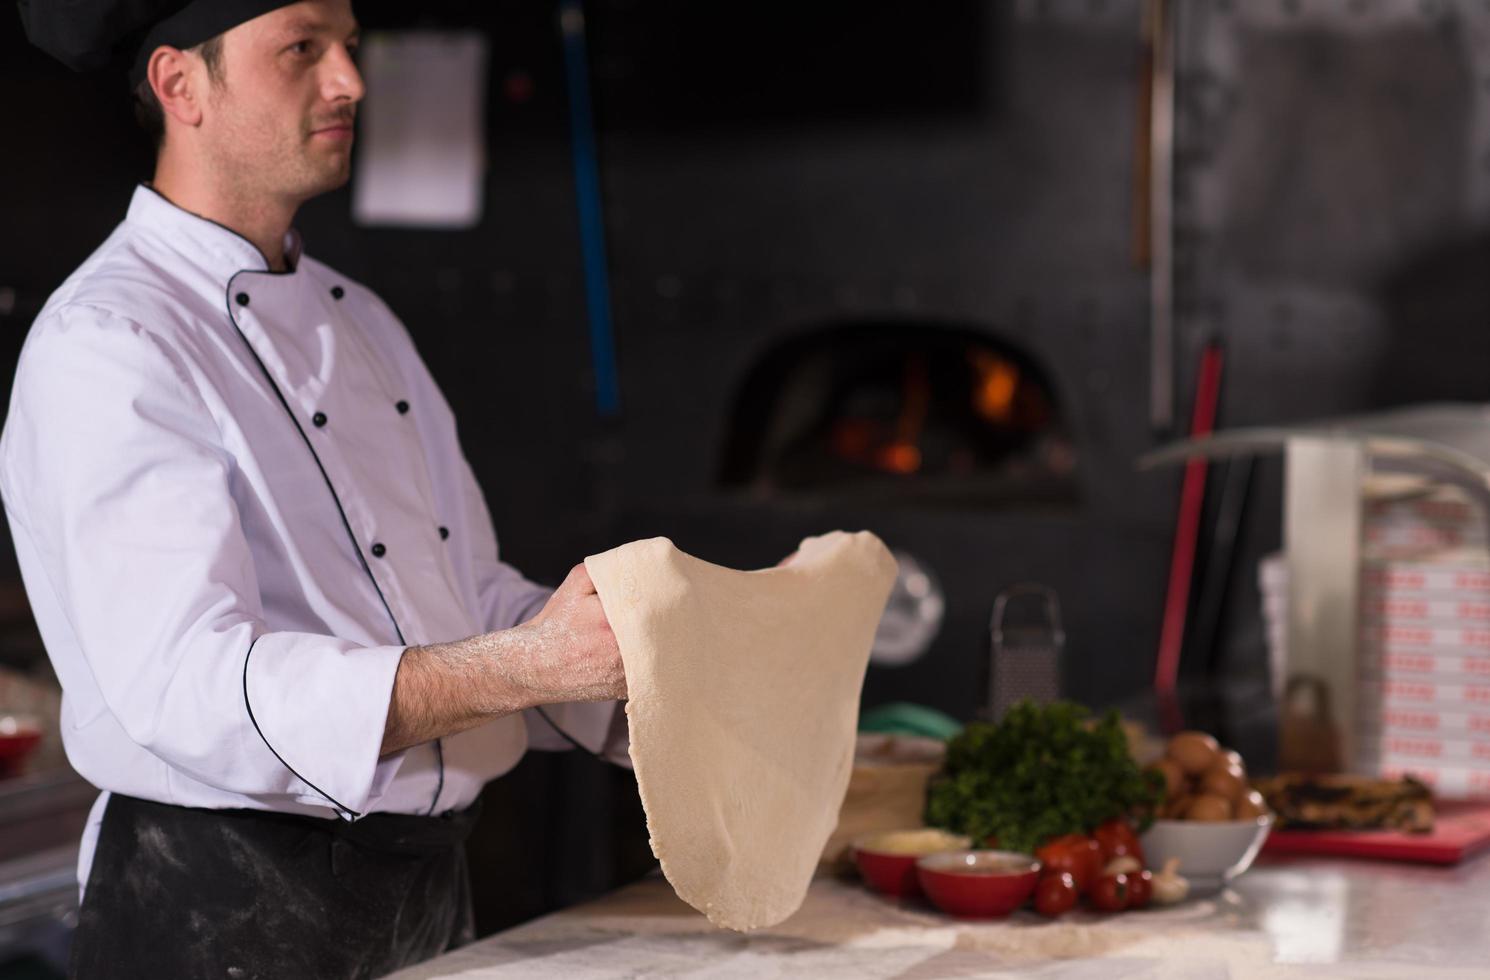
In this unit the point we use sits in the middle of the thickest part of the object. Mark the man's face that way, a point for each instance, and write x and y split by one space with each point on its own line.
278 120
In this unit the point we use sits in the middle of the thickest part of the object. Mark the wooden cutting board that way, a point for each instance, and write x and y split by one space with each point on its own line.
1459 831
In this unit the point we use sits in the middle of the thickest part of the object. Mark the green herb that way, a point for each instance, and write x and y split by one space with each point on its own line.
1043 771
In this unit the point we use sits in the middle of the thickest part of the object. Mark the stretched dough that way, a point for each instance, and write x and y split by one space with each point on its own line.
743 703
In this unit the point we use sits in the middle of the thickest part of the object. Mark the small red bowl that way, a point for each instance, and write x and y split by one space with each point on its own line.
18 737
978 884
888 872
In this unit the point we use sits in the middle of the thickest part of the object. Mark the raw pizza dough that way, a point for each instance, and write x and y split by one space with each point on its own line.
743 704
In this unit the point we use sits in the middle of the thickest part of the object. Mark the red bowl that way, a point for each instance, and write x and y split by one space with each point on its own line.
17 740
887 872
978 884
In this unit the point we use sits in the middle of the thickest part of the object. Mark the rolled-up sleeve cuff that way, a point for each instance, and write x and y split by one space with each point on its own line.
321 706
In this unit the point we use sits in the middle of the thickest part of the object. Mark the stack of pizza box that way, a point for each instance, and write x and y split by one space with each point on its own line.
1423 655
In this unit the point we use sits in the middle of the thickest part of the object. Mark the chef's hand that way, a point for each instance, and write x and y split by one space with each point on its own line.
569 652
565 653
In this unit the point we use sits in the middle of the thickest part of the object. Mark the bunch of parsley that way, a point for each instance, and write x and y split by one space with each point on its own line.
1043 771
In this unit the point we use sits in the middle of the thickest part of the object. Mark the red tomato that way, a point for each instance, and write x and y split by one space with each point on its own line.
1075 854
1110 893
1055 894
1116 838
1140 889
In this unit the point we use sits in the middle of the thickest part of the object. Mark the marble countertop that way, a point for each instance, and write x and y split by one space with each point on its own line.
1293 918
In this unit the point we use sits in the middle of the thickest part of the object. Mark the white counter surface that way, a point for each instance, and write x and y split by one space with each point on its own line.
1297 918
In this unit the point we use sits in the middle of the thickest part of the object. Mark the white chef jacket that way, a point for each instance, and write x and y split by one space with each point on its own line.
236 497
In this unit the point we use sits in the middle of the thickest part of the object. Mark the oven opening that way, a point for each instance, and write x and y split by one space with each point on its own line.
900 411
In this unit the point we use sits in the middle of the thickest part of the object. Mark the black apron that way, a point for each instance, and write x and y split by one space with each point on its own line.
176 892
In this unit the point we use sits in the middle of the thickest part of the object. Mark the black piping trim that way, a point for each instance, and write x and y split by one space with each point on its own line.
290 265
345 811
351 536
440 785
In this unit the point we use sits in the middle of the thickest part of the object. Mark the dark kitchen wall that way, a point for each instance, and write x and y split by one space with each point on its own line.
1004 202
772 167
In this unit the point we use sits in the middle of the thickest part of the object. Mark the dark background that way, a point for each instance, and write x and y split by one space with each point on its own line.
772 169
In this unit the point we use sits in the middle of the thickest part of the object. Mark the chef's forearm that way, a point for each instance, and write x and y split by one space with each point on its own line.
565 653
446 688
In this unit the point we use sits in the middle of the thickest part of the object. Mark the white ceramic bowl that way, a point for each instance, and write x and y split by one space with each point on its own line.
1211 854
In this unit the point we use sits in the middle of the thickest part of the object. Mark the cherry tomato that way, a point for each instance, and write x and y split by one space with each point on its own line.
1140 889
1117 839
1055 894
1110 893
1076 854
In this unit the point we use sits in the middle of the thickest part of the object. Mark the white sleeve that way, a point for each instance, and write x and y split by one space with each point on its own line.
115 466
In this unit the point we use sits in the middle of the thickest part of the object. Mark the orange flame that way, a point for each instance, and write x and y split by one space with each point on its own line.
998 380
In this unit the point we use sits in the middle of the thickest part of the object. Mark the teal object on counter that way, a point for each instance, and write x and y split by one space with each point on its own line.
902 718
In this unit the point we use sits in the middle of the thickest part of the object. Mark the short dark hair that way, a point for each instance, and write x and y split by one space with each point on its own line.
150 115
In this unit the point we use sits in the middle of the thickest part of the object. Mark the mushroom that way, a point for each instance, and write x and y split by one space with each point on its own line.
1169 888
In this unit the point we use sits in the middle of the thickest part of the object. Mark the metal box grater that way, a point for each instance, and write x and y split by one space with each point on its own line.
1026 640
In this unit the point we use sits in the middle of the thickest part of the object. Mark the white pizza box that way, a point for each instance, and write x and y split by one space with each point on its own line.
1394 637
1374 694
1379 609
1431 665
1447 782
1413 719
1449 576
1462 753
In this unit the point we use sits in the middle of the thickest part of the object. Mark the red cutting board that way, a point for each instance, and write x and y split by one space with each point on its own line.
1459 830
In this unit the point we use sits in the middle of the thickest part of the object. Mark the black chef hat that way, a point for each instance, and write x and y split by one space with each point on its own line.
89 34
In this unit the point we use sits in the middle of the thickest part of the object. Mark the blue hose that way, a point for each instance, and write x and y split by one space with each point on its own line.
591 211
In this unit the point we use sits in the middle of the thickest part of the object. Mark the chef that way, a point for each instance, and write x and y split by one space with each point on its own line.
264 572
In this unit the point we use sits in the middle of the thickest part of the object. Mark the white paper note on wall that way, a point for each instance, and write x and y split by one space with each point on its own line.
421 156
